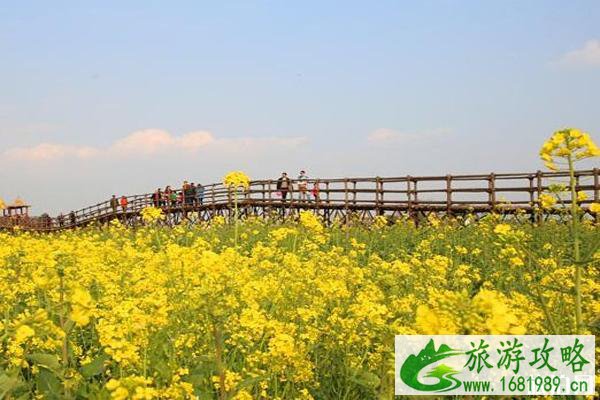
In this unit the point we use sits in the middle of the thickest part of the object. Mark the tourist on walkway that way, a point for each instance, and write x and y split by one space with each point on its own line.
199 193
183 194
302 186
190 195
316 191
157 198
73 218
284 185
114 204
61 220
167 195
124 203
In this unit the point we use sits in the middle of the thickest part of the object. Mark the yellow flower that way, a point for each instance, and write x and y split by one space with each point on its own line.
82 307
278 305
236 179
380 222
152 214
430 323
500 319
243 395
595 208
131 387
310 221
568 143
231 380
502 229
547 200
23 333
516 262
282 345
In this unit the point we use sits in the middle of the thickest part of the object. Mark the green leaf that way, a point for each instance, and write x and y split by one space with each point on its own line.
196 379
48 361
47 383
365 378
96 367
162 369
69 326
8 384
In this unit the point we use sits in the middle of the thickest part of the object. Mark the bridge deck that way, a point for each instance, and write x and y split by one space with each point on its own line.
341 198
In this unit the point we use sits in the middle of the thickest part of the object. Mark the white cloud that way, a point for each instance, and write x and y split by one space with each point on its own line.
587 56
388 136
383 135
151 142
147 142
50 151
195 140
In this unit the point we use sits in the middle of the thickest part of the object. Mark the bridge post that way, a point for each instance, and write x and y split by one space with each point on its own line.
213 201
408 192
229 216
317 198
538 176
596 185
533 206
448 195
266 206
379 196
347 216
409 199
327 209
492 191
415 190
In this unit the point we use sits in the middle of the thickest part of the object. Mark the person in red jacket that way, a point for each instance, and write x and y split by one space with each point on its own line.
315 191
124 203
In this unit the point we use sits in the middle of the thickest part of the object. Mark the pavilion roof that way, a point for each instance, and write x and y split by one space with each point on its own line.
18 203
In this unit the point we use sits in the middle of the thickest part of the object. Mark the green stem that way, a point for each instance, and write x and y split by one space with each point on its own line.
217 336
547 312
63 324
576 244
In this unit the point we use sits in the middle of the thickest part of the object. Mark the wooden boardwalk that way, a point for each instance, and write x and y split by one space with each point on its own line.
347 199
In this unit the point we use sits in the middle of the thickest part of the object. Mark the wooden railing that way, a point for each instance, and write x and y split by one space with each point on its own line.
504 192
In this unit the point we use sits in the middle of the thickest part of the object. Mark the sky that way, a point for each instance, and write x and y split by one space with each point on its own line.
102 98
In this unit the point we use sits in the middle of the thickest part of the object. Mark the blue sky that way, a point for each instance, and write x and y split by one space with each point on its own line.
101 97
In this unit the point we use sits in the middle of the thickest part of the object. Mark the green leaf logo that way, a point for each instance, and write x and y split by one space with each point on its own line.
413 365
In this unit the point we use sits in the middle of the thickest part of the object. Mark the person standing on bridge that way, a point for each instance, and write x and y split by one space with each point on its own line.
157 198
183 195
190 195
124 203
284 185
303 186
316 190
114 204
167 195
199 193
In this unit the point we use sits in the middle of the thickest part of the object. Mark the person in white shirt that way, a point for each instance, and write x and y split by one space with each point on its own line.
302 186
